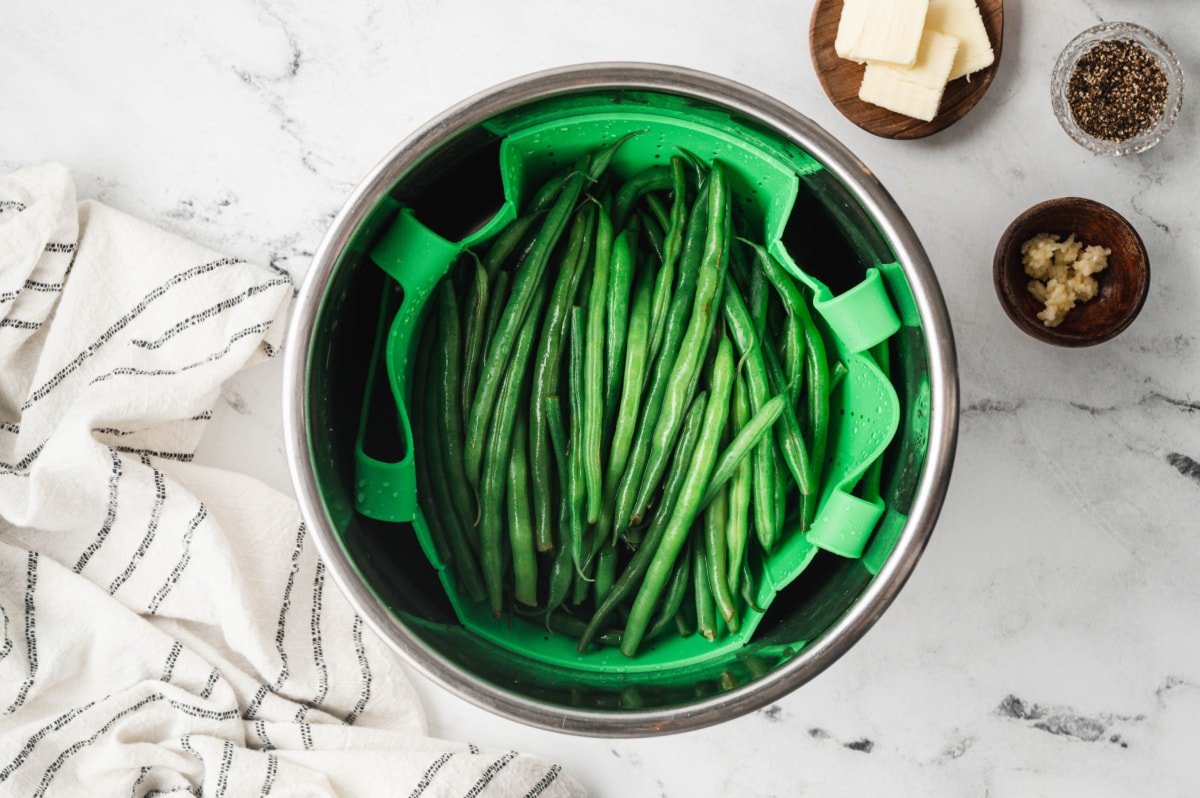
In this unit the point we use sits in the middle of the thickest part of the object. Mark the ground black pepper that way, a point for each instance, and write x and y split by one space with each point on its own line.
1117 91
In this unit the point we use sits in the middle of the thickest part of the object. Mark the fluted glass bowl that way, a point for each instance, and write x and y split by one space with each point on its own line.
1080 46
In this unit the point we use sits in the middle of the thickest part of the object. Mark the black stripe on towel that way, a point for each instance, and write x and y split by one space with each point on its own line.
8 643
226 764
490 774
160 498
272 769
42 391
430 772
281 628
360 651
318 650
131 371
209 313
110 516
56 724
184 560
21 468
31 569
545 782
213 678
75 748
172 658
20 324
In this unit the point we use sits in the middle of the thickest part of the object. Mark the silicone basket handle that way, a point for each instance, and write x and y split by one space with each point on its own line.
416 258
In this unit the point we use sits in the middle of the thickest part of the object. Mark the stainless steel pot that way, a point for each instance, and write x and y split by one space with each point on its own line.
382 572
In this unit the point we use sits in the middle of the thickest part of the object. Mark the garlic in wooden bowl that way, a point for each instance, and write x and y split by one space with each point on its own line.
1091 266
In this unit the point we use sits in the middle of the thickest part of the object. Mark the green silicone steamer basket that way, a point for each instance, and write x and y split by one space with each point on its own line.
450 188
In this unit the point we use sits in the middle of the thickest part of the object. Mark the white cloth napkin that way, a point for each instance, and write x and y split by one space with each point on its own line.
167 627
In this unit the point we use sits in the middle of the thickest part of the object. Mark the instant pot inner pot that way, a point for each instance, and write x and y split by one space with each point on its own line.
455 189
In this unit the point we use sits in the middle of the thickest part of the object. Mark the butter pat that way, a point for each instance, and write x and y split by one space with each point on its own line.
915 90
962 20
881 30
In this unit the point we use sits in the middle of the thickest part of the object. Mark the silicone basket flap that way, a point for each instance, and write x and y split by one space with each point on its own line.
416 258
373 476
861 317
868 414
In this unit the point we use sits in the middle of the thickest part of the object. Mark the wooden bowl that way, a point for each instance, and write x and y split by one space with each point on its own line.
841 78
1122 286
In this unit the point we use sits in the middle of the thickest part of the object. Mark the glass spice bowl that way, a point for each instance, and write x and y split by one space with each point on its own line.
1083 44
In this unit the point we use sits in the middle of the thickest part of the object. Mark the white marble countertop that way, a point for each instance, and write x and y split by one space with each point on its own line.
1046 643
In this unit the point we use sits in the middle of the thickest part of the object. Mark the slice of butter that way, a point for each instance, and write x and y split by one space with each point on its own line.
962 20
881 30
915 90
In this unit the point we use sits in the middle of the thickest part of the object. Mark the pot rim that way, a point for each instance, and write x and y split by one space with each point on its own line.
862 184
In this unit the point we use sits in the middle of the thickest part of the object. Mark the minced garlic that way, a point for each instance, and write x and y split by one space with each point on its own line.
1062 273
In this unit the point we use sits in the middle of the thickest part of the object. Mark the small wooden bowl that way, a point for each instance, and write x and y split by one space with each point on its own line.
1122 286
841 78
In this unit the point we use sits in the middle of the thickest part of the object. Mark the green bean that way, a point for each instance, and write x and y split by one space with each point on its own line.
706 611
686 370
633 383
548 191
496 455
524 285
421 450
671 249
576 487
758 357
816 364
606 571
716 555
765 486
683 514
655 236
506 242
475 325
658 209
466 569
653 178
547 366
674 595
497 297
660 375
562 568
791 349
620 287
740 489
566 624
635 569
593 367
520 517
449 376
746 439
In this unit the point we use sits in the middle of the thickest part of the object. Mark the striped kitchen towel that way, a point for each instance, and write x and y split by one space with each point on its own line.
167 628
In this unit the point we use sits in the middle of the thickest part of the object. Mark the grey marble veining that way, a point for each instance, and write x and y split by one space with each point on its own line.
1045 645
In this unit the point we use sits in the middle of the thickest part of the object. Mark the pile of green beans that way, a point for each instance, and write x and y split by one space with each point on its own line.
618 403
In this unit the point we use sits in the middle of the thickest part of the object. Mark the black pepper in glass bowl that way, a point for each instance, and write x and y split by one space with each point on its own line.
1117 89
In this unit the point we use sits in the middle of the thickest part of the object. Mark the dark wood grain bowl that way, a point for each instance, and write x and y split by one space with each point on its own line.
1123 286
